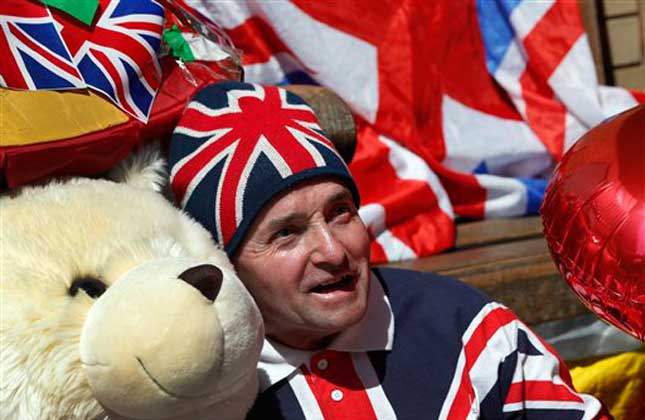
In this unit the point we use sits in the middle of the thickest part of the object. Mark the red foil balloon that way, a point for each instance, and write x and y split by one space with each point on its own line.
594 220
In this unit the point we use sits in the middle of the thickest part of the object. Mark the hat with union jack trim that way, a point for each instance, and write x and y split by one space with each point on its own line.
237 146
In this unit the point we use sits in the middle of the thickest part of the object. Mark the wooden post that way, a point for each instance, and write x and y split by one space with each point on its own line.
334 115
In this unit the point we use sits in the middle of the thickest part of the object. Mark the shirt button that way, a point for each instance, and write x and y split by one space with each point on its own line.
322 364
337 395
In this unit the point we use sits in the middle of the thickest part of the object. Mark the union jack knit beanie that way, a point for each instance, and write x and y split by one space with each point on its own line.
237 146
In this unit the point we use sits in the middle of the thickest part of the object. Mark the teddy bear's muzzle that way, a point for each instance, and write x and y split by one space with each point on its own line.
153 343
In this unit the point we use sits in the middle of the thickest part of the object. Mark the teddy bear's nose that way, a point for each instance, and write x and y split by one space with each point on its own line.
206 278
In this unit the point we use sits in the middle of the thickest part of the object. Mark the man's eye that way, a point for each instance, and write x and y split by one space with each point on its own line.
342 211
284 232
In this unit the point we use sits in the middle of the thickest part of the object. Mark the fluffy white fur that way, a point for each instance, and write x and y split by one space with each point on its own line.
75 357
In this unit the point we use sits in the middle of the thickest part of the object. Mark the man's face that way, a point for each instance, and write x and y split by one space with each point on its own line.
306 262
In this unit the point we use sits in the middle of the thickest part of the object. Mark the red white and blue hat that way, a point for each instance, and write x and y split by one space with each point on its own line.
237 146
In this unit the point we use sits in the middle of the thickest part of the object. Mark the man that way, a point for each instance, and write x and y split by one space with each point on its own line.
344 341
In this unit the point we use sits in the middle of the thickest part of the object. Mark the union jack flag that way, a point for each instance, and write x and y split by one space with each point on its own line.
118 55
33 53
463 107
217 144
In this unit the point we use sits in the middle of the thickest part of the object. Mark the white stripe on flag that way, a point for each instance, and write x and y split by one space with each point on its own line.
615 100
273 71
573 129
334 50
394 248
527 14
304 395
574 82
508 147
505 197
509 72
380 404
227 14
373 215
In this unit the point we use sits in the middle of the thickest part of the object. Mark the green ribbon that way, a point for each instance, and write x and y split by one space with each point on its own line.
178 45
83 10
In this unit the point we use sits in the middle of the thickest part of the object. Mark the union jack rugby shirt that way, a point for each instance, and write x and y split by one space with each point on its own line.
429 347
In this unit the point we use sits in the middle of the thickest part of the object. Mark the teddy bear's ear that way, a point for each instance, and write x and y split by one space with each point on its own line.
144 168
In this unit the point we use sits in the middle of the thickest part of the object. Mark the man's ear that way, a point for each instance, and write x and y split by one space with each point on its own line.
144 168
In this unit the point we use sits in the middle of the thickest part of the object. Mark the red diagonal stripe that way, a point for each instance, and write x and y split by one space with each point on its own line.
22 8
141 26
238 161
18 33
546 46
120 42
374 22
127 45
115 76
544 113
552 37
189 170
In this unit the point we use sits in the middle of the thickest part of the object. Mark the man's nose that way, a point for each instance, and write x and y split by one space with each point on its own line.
327 249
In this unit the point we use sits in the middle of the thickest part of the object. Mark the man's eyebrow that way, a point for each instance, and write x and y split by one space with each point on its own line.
340 196
280 222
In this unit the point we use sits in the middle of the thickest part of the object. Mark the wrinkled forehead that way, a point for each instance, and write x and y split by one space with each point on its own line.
303 199
307 195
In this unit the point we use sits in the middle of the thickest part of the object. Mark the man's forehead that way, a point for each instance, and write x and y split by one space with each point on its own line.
305 197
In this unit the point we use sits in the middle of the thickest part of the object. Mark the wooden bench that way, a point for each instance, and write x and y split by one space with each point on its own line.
507 259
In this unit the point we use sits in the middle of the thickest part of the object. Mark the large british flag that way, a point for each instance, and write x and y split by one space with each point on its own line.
220 159
463 107
33 53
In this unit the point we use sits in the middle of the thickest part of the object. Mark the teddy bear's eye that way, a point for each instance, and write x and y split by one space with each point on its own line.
91 285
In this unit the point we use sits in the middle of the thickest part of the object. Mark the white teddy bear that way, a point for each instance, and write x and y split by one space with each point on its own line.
116 305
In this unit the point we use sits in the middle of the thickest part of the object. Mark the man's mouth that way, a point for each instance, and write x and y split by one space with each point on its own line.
344 283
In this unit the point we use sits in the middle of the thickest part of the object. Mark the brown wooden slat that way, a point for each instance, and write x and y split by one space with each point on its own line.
496 253
497 230
519 274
